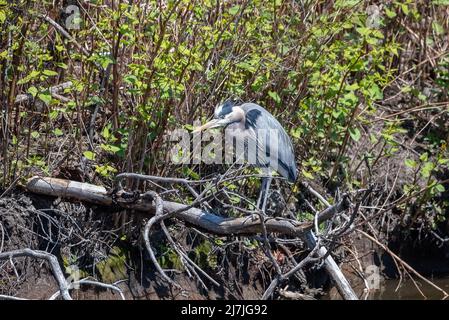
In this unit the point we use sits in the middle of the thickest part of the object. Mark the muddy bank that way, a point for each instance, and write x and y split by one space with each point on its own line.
95 240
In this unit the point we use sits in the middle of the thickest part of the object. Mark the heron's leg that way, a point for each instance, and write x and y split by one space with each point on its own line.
261 193
267 189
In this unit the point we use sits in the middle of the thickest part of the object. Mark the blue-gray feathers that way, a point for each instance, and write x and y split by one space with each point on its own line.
261 124
259 118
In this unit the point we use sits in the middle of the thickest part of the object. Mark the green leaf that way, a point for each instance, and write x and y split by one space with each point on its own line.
355 134
234 10
296 132
424 156
105 133
62 65
54 114
407 188
364 31
246 66
58 132
406 89
410 163
438 28
49 73
130 78
422 96
33 91
45 97
352 87
346 3
405 8
33 75
190 173
427 169
89 155
105 61
307 174
390 14
274 96
105 170
2 16
375 92
110 148
35 134
440 188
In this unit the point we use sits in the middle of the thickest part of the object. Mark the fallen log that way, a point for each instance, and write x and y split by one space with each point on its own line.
197 217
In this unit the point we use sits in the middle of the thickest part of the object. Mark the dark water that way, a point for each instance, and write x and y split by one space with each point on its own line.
389 290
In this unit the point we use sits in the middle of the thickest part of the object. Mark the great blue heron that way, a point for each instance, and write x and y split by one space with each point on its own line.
266 144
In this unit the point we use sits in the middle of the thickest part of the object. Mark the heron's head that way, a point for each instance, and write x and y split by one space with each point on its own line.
224 115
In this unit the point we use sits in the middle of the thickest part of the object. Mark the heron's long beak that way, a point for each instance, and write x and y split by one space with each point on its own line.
214 123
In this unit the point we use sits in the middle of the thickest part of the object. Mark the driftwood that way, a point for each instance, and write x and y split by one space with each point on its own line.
342 284
199 218
330 265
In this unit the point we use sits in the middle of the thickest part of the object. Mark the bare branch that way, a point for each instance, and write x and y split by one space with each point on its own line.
53 91
92 283
159 216
50 258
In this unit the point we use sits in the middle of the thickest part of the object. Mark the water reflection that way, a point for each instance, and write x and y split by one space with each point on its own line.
407 290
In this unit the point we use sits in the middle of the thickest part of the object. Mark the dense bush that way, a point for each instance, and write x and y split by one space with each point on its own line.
361 87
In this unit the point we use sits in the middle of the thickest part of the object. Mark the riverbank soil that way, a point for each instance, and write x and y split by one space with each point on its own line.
87 235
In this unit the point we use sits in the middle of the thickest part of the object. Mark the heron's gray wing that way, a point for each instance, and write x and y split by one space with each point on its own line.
274 146
255 148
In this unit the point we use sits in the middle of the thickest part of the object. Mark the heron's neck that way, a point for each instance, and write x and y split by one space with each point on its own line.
239 117
237 125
